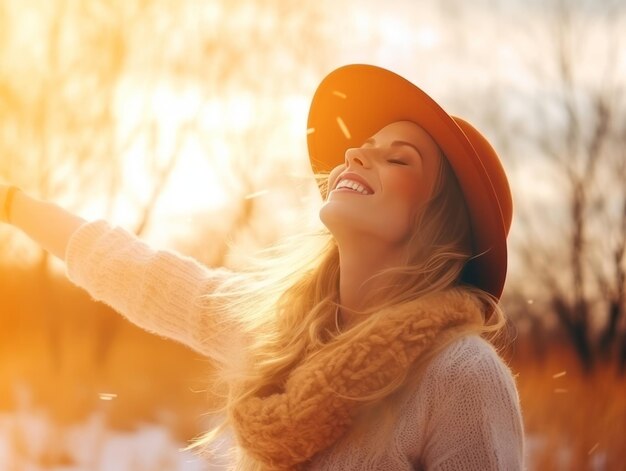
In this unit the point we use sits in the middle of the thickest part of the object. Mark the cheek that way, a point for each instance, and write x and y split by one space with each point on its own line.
408 192
334 173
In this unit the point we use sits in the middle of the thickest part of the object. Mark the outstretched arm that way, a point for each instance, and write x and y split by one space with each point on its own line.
161 291
47 224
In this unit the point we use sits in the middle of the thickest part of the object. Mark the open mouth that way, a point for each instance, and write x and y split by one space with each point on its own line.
348 184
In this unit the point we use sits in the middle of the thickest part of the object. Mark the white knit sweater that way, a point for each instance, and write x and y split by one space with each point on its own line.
464 415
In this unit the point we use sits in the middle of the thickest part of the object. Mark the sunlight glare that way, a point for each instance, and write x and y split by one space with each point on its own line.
238 115
428 37
234 113
296 106
395 31
196 181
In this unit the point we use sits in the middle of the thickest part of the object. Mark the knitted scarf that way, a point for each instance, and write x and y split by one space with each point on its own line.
320 397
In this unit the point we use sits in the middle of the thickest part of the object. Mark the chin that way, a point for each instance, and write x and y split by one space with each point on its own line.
344 223
337 218
328 215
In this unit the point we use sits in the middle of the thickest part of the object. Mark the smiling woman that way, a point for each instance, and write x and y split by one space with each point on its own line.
398 168
368 352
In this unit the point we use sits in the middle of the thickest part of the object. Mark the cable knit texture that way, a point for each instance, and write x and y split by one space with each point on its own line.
158 290
317 405
463 415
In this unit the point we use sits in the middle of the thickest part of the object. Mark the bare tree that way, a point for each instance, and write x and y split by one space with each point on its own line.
578 127
59 120
60 104
265 51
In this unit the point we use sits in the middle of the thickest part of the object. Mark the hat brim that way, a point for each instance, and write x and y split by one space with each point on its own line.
353 102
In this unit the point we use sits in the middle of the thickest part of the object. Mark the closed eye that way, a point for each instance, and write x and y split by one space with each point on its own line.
397 162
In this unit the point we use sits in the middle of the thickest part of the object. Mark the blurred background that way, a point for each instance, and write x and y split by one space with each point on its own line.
185 122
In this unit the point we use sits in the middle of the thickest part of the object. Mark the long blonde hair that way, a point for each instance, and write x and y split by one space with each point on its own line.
287 302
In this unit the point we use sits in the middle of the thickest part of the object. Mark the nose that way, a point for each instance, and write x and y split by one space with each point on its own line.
355 156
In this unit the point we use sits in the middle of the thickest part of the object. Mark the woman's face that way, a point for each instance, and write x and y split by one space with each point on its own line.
382 184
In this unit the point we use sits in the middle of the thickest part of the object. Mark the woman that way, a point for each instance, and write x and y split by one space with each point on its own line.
367 353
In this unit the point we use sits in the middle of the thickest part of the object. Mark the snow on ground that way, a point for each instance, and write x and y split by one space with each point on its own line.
29 441
536 445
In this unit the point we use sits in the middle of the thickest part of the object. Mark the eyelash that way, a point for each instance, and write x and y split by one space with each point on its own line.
395 161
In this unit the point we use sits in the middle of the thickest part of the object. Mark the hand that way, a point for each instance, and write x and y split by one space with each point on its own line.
45 223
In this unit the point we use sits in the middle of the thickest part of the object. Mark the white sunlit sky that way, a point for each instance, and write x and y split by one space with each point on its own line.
454 58
461 55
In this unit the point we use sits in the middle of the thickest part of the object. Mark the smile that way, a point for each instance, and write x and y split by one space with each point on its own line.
352 185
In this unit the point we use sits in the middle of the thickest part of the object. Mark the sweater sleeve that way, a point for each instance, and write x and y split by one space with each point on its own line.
475 421
160 291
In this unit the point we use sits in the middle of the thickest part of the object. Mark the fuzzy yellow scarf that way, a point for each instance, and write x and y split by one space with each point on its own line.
320 397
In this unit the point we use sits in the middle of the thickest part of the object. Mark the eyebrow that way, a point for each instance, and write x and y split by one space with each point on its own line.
397 143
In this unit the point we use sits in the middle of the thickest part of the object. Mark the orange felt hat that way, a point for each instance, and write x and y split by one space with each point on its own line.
354 102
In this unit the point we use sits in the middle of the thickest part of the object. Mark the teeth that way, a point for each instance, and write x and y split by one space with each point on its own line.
351 184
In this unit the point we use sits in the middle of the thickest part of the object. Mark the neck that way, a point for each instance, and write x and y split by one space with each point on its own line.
357 266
